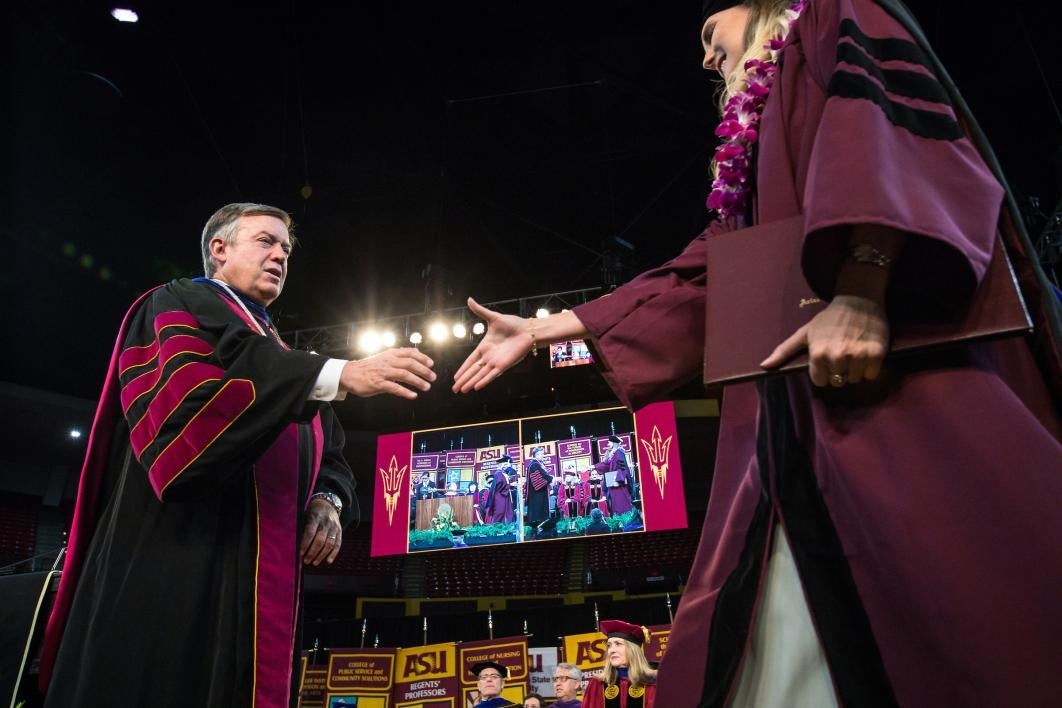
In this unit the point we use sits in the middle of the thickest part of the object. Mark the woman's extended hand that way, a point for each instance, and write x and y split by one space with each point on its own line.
506 342
846 342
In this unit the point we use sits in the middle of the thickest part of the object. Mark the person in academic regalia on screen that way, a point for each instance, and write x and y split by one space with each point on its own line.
619 490
536 487
567 492
596 498
499 507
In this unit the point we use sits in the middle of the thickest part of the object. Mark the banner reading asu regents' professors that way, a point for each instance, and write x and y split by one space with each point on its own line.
425 677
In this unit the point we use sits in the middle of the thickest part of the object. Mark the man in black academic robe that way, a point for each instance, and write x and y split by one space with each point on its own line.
214 473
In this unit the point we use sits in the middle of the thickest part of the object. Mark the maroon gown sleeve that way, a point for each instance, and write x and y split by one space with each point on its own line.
649 332
891 149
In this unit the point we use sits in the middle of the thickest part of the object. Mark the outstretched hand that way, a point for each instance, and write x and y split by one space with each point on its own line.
846 342
398 372
506 342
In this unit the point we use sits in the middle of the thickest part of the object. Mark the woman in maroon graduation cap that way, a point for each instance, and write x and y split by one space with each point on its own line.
879 531
627 680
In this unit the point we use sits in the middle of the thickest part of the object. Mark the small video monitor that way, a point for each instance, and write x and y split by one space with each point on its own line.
570 353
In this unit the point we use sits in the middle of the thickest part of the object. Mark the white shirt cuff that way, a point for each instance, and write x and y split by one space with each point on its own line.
327 386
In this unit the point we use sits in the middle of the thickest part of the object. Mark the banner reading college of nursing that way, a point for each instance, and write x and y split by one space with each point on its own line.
425 677
510 652
360 677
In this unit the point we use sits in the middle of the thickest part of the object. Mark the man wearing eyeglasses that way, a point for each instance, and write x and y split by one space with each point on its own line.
490 680
566 681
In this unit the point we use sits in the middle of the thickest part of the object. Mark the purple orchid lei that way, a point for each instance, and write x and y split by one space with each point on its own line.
739 128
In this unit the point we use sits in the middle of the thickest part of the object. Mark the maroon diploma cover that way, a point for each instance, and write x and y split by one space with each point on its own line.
757 297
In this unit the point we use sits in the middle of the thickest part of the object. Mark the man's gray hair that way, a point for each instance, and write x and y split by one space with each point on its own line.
225 222
572 670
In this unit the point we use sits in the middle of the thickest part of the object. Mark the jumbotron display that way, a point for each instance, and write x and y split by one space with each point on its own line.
528 479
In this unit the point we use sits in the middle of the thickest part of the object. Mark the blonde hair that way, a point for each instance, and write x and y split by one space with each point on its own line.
767 19
638 670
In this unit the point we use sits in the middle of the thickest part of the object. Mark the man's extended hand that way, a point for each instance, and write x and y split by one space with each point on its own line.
398 372
323 536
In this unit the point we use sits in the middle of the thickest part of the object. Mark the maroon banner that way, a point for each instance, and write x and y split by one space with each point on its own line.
656 646
510 652
314 686
426 463
579 447
625 440
659 468
390 498
358 672
460 458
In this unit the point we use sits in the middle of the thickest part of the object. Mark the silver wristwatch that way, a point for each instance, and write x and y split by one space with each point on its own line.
331 498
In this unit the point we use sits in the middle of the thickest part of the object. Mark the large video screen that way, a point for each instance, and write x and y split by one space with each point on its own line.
539 478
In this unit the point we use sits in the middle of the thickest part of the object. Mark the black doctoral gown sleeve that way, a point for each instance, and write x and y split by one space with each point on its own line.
204 394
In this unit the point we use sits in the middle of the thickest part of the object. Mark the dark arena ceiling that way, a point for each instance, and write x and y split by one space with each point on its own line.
428 151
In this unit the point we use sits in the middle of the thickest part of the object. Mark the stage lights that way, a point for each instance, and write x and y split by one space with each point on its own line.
369 341
375 337
438 331
541 313
124 15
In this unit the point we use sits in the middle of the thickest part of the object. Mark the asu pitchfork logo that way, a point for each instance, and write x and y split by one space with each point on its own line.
658 451
392 484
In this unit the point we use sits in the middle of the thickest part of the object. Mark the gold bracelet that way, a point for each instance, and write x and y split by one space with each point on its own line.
531 331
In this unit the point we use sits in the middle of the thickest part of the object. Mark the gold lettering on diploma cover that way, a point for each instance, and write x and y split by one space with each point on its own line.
392 483
805 301
658 451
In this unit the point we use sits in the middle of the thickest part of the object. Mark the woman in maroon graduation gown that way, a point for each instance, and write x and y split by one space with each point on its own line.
897 520
627 680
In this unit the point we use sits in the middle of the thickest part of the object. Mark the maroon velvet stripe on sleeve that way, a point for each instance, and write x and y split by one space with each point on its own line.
138 356
169 398
174 346
212 420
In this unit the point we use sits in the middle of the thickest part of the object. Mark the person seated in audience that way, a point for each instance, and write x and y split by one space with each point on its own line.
533 700
597 523
490 682
567 678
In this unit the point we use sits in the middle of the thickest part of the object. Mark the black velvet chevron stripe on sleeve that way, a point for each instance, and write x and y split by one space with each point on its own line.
882 86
